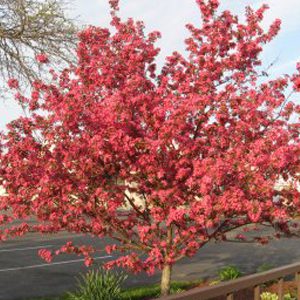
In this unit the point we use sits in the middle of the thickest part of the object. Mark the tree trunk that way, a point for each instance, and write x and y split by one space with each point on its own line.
166 280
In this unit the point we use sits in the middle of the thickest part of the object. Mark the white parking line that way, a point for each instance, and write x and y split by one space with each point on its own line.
26 248
52 264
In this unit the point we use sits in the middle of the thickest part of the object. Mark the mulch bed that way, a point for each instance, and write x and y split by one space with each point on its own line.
288 287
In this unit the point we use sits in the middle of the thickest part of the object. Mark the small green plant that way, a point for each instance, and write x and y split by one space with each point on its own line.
99 285
229 273
272 296
288 296
214 282
264 267
268 296
153 290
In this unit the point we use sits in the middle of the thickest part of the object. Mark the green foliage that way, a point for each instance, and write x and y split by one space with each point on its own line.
214 282
140 293
229 273
273 296
264 267
288 296
99 285
153 291
268 296
64 297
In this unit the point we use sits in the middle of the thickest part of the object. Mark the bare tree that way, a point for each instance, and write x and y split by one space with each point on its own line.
29 28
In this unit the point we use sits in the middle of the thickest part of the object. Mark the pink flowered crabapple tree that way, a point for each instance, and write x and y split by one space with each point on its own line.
162 162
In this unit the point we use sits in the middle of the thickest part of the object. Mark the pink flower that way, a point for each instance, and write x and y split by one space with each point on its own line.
297 83
114 4
240 237
42 58
110 248
13 83
88 261
46 255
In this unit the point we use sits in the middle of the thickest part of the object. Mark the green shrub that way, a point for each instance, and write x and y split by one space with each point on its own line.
229 273
268 296
272 296
264 267
153 290
99 285
288 296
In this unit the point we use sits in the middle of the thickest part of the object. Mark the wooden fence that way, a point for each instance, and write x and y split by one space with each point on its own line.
229 288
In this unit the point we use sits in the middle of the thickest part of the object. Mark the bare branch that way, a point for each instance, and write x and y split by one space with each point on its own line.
31 27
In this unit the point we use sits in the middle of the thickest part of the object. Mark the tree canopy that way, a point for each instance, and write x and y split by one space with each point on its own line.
162 162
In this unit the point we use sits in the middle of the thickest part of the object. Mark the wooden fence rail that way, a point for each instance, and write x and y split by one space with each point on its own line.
254 281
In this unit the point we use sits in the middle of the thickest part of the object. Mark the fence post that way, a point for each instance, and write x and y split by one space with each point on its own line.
257 292
298 284
229 296
280 289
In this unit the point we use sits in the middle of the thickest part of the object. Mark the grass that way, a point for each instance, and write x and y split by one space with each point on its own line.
142 292
50 298
152 291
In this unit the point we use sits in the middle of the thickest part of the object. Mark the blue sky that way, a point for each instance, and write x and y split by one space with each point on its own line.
170 16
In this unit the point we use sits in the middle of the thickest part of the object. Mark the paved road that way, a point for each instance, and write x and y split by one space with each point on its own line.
23 274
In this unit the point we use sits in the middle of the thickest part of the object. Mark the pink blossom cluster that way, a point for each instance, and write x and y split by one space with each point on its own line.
42 58
160 161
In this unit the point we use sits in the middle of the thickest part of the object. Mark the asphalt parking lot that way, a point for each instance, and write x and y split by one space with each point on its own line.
23 274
